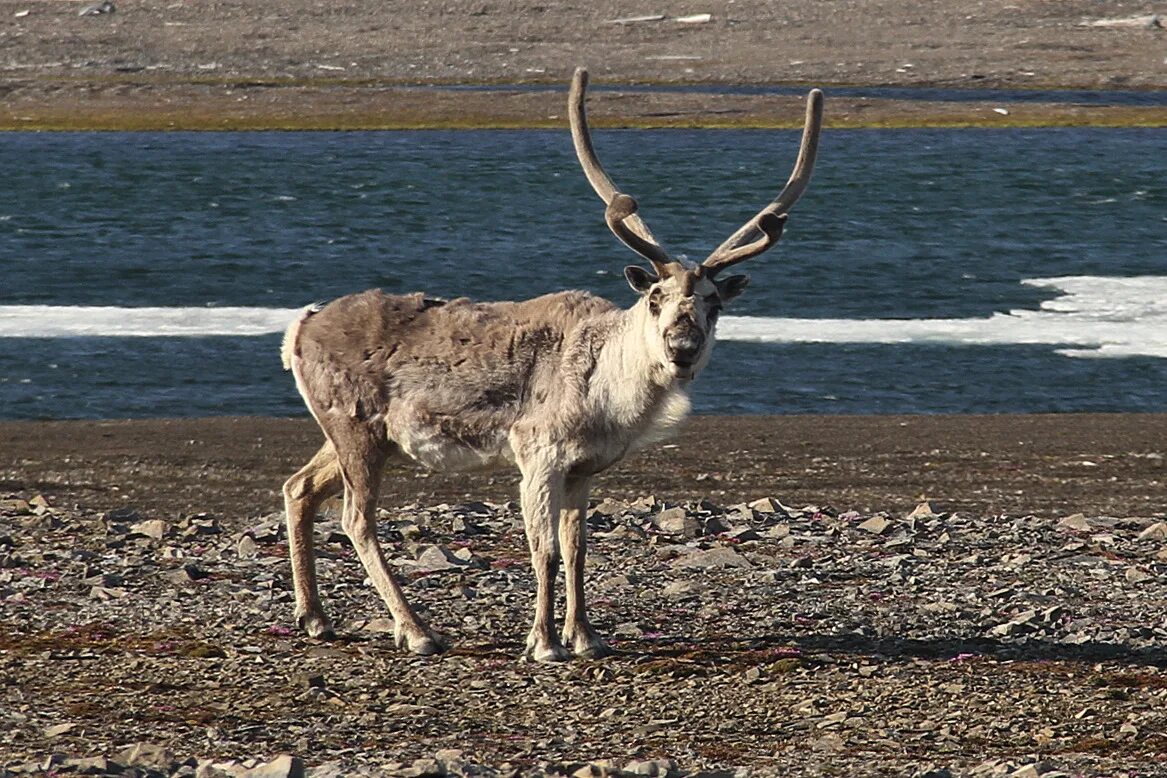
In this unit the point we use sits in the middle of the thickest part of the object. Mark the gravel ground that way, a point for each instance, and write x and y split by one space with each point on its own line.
760 631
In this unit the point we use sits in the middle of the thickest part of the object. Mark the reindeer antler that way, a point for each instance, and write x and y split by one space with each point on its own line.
743 244
620 213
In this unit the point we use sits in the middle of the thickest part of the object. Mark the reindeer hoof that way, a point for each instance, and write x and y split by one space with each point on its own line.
546 651
551 654
316 625
419 640
597 650
585 643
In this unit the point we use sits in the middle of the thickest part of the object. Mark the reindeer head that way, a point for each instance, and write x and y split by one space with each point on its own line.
680 302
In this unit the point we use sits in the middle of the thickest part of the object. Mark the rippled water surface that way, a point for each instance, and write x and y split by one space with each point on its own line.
925 270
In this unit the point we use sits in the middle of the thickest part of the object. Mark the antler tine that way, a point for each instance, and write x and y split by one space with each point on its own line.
621 211
771 219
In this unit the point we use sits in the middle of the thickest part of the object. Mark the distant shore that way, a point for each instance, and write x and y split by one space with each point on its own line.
233 467
297 65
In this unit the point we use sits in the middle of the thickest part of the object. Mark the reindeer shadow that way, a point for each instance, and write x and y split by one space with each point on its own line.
775 647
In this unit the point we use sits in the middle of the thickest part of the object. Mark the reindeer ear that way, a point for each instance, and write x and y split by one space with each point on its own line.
639 279
731 286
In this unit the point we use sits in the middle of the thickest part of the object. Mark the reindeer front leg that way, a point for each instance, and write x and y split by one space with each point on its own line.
541 497
578 633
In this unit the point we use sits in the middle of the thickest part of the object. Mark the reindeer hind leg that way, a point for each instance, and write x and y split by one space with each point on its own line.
303 494
361 455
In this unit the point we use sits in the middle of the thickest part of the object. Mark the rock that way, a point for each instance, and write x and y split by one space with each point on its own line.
932 771
187 574
767 505
637 19
148 755
16 507
98 9
664 768
1020 624
59 729
154 529
876 525
829 743
676 521
246 548
681 589
311 680
435 558
283 766
610 507
721 557
378 625
1053 614
921 511
1075 523
424 768
1136 575
1157 531
95 765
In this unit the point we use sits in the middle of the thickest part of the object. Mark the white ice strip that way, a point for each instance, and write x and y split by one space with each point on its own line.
49 321
1090 338
1094 317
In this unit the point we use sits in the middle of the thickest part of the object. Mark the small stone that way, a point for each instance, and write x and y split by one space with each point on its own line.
664 768
676 521
1137 576
424 768
610 507
311 680
1053 614
187 574
148 755
436 558
721 557
378 625
283 766
931 771
1157 531
246 548
680 589
829 743
94 765
59 729
154 529
766 505
921 511
876 525
1034 770
1075 523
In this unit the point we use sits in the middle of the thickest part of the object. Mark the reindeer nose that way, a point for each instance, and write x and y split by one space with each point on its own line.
683 344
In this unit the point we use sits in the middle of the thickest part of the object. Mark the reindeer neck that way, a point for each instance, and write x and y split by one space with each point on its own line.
631 387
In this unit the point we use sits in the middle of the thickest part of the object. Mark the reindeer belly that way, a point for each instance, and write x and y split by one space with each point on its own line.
449 442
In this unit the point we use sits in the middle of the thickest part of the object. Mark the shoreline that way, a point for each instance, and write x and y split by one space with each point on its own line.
233 467
251 105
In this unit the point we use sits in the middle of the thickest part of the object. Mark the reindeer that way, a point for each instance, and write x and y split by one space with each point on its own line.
562 386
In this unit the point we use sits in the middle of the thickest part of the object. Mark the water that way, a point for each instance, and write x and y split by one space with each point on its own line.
931 271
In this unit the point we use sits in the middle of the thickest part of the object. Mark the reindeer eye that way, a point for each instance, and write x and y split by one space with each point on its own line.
654 302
